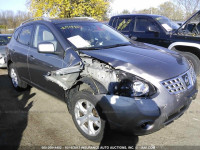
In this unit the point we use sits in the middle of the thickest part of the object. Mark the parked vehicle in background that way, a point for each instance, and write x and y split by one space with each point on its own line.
179 22
160 30
106 80
4 39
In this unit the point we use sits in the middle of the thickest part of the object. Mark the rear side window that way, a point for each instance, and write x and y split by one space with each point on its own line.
124 24
25 35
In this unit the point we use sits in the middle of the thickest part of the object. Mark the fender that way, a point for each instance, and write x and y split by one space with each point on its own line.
184 44
97 87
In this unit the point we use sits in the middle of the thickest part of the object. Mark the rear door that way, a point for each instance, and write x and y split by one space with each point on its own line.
42 64
20 51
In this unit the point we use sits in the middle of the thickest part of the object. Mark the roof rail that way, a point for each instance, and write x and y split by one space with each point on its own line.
89 18
36 18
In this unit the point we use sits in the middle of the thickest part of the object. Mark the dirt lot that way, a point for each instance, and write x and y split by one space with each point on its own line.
36 120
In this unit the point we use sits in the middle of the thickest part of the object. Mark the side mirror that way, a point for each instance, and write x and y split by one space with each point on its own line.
46 47
152 29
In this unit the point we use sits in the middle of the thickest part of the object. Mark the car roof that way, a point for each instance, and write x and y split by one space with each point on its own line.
58 21
133 15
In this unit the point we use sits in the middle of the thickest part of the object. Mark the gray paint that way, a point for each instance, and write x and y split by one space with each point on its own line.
148 63
152 63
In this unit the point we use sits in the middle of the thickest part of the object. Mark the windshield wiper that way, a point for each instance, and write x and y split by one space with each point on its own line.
89 48
103 47
117 45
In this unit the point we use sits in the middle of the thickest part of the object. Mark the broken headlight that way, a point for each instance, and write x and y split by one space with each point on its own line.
133 86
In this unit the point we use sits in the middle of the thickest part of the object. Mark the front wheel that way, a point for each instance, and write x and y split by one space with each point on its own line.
194 60
87 116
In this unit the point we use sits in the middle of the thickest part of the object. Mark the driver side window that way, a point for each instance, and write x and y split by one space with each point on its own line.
43 34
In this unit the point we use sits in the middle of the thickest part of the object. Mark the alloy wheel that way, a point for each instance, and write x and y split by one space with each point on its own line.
13 76
87 117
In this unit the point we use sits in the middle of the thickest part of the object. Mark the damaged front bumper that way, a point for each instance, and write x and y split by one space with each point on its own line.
144 116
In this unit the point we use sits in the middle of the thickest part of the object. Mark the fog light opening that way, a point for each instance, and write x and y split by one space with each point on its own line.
147 126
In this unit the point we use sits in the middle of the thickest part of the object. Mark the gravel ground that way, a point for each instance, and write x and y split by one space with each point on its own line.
35 120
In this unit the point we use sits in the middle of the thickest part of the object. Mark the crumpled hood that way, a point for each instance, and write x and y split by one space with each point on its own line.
147 61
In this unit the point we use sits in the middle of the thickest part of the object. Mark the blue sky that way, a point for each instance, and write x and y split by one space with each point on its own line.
13 5
117 5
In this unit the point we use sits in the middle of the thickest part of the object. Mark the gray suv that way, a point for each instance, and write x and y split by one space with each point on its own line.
106 79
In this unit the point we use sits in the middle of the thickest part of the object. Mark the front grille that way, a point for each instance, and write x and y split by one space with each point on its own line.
181 83
174 86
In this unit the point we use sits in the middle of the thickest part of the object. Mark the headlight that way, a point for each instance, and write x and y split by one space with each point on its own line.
133 86
140 88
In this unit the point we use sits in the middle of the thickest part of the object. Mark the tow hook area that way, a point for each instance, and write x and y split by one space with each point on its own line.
193 95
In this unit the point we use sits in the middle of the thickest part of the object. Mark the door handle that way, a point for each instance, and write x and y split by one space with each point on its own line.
133 38
31 56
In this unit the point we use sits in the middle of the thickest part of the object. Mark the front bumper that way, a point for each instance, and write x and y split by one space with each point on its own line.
144 116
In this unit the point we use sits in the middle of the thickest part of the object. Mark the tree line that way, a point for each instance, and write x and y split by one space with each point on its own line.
177 10
10 20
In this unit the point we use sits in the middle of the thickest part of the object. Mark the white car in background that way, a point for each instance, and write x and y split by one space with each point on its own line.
4 40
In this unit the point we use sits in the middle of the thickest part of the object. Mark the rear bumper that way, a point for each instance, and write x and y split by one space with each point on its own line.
145 116
3 61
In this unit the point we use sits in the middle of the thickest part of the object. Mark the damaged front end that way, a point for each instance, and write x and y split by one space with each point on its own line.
129 102
99 76
65 77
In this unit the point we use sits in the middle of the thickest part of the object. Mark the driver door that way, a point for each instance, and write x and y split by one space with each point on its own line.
42 64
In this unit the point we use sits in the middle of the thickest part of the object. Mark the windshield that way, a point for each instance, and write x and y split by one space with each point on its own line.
167 24
4 40
91 35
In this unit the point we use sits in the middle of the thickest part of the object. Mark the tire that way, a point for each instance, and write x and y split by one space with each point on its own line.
85 109
194 61
17 83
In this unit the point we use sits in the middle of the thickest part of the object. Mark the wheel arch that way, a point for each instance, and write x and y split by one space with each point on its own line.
193 48
94 85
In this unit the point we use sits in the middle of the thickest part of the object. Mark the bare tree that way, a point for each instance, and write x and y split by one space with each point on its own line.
167 9
171 11
189 6
151 10
125 11
11 20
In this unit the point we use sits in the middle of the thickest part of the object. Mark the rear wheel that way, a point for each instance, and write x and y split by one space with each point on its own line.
194 60
87 116
17 83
